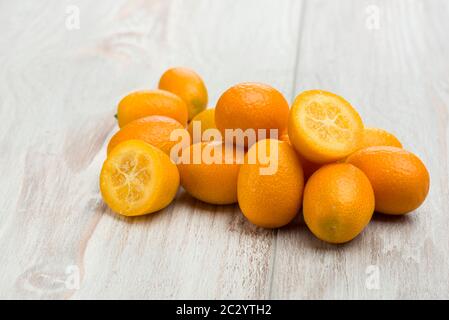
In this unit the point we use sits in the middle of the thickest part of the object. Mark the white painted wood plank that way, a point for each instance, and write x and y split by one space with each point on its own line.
59 100
57 117
192 250
396 77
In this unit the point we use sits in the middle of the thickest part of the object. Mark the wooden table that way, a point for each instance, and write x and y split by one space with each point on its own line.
59 88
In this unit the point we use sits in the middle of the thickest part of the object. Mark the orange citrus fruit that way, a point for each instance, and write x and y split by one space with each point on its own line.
252 106
188 85
141 104
324 127
212 176
308 167
154 130
399 178
138 178
379 137
270 184
206 119
338 202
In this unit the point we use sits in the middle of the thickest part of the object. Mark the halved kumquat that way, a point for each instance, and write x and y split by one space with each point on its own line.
324 127
138 178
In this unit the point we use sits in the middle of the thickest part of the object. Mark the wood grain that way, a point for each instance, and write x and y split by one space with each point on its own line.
58 96
387 74
189 249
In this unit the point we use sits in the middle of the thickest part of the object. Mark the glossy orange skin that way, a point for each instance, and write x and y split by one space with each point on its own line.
154 130
399 178
252 106
188 85
338 202
214 183
272 200
379 137
207 120
145 103
308 166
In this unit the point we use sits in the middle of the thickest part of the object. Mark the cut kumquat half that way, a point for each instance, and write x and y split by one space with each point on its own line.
324 127
138 178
